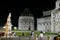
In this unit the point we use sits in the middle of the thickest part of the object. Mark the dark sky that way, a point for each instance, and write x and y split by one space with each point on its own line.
16 7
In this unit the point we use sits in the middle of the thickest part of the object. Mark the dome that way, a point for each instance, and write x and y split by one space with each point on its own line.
26 12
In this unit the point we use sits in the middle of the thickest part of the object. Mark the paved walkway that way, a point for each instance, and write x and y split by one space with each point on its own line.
25 38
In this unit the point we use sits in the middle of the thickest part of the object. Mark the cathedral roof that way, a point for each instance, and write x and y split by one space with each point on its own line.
26 12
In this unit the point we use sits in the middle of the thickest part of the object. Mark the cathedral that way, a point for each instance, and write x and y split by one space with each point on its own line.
26 21
53 21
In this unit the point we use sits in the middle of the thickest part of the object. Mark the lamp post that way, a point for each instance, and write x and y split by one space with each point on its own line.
15 28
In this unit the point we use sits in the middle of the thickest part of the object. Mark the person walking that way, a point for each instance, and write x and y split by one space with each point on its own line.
32 34
41 35
36 37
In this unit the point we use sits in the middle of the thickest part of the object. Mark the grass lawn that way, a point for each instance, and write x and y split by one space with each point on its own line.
27 33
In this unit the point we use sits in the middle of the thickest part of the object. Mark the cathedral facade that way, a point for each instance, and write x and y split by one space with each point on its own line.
54 20
44 24
26 21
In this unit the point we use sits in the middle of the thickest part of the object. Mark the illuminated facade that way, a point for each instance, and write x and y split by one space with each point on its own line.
53 22
44 24
26 21
55 18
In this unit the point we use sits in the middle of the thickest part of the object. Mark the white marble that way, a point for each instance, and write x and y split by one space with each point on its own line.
24 22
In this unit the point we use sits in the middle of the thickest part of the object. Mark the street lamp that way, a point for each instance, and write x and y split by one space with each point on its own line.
15 28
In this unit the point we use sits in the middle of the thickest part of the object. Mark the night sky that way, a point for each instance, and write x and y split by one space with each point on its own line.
16 7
